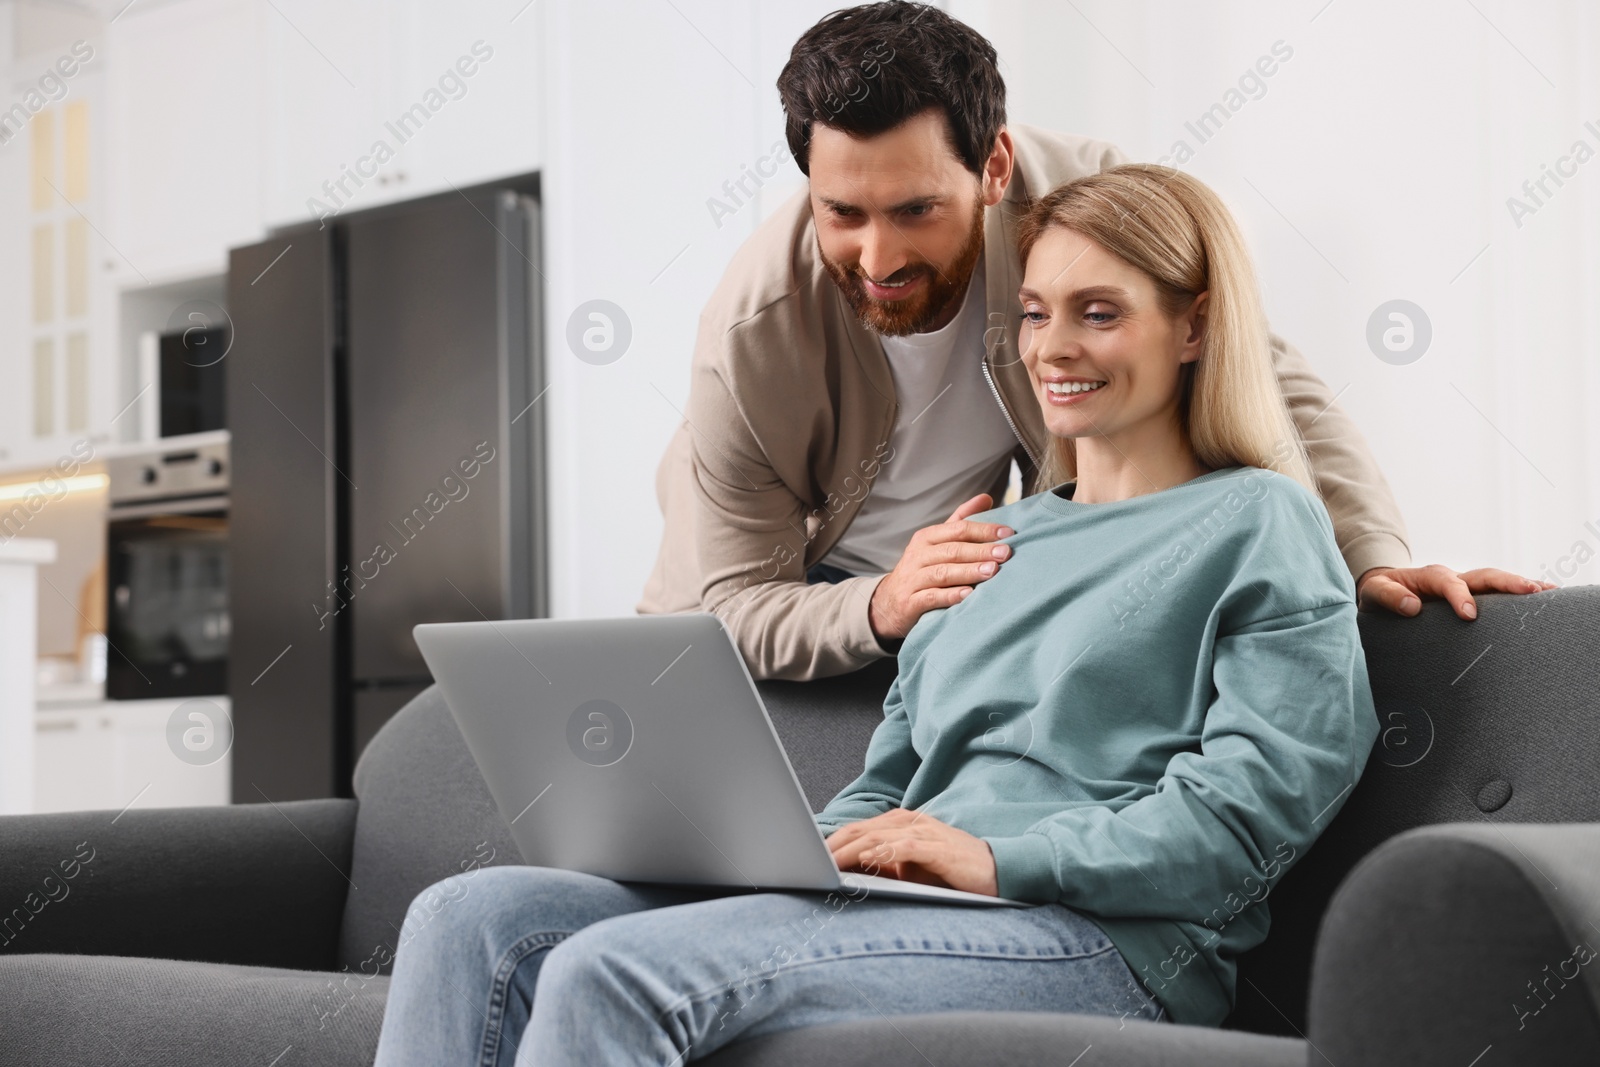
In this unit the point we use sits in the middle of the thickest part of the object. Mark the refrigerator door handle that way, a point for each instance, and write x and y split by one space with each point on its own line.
522 434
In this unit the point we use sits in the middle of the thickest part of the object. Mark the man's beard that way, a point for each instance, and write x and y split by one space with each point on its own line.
916 314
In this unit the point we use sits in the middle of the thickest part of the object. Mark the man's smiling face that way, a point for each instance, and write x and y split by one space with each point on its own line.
899 221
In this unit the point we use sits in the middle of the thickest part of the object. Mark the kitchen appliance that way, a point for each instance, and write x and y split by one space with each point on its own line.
382 392
192 393
167 573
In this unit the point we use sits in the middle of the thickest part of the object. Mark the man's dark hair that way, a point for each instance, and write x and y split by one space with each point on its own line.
865 70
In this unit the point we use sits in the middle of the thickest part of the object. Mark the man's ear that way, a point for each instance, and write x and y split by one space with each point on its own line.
997 170
1192 325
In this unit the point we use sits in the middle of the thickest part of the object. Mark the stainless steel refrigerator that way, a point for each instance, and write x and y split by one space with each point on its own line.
385 405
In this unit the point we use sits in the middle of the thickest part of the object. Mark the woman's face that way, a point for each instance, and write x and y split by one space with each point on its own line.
1103 356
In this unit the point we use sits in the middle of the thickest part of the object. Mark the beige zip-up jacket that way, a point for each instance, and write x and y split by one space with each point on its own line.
790 409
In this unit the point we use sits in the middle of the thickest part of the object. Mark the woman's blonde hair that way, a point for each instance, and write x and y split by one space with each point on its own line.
1174 229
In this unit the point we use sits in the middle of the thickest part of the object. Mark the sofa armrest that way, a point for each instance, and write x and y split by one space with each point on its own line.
1449 940
257 884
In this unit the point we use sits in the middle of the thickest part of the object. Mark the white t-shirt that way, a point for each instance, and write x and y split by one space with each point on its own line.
950 439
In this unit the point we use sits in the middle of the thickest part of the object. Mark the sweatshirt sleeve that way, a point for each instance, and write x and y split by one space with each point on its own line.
1286 735
890 763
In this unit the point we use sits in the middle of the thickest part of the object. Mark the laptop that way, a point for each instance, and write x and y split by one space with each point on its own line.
638 749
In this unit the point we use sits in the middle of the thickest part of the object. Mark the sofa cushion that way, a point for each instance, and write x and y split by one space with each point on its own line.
117 1010
114 1010
979 1039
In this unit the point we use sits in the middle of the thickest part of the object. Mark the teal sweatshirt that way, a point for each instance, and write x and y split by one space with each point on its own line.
1149 714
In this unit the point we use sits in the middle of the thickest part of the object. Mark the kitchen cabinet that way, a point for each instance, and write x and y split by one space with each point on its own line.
73 755
228 117
367 103
14 296
184 84
484 64
324 83
56 299
92 754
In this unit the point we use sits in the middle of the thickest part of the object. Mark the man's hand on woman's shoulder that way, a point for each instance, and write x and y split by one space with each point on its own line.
1400 589
942 564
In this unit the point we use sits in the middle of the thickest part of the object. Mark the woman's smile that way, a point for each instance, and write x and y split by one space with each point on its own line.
1065 393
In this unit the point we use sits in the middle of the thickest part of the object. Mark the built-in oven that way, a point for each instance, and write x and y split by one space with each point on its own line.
167 573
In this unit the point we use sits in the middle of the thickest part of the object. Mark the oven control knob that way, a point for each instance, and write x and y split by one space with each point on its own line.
147 475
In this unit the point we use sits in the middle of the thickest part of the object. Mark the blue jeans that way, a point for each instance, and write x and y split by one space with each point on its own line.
540 966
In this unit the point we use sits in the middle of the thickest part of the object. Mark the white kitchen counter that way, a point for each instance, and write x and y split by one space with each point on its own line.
74 694
20 558
30 550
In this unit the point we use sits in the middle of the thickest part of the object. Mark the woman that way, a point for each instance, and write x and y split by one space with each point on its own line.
1137 725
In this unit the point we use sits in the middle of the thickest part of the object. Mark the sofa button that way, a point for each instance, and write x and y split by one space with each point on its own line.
1493 796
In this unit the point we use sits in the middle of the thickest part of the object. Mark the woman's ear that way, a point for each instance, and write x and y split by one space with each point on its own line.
1192 327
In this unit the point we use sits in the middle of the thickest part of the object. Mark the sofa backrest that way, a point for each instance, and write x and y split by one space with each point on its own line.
1496 720
424 814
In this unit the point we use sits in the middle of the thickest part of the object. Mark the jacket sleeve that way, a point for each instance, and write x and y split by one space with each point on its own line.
1366 520
750 536
1286 735
890 763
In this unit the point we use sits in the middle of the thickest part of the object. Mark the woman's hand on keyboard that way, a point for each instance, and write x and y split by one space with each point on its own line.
915 847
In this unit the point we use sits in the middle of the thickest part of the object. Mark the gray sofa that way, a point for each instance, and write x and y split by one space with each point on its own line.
1448 915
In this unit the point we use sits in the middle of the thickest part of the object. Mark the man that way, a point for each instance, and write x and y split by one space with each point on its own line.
856 378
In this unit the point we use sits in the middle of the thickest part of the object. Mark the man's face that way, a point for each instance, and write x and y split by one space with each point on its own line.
899 221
